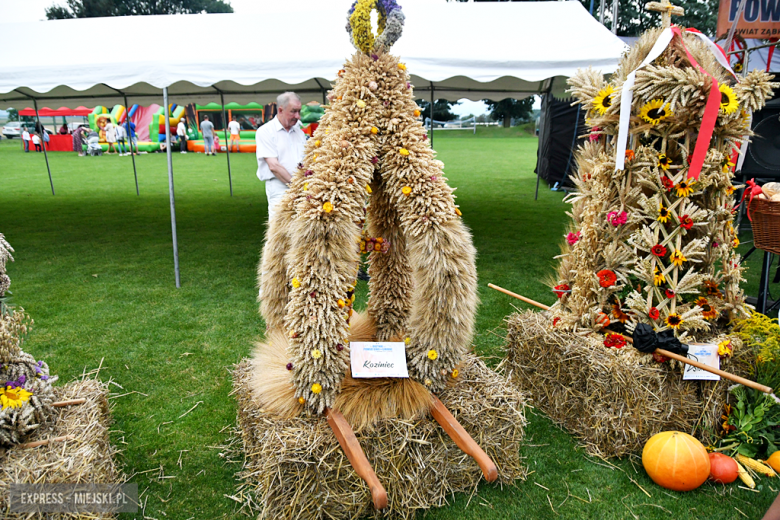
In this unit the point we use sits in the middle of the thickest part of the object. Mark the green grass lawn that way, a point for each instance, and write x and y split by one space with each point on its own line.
94 268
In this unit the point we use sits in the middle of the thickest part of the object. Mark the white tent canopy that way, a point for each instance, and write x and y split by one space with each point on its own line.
459 48
453 50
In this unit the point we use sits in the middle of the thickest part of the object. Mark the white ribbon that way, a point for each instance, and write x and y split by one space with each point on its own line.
743 148
627 97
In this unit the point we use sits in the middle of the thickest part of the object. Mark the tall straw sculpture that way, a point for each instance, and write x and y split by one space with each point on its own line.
370 183
651 240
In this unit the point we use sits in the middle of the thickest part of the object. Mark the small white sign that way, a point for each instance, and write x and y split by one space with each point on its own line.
378 359
706 354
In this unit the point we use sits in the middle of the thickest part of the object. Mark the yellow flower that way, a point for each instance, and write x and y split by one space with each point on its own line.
317 143
663 214
407 340
658 277
455 373
724 348
316 388
728 100
603 100
315 157
305 186
402 66
432 355
327 207
360 103
655 111
664 161
729 190
678 258
684 188
674 320
296 283
316 353
403 151
735 243
417 113
11 397
341 303
301 400
374 130
406 190
368 189
458 212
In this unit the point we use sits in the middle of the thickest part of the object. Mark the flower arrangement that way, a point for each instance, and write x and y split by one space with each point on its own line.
672 250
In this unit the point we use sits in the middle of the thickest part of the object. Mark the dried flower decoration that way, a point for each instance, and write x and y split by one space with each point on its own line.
674 320
607 278
655 111
432 355
406 190
603 100
728 100
327 207
404 152
316 388
614 341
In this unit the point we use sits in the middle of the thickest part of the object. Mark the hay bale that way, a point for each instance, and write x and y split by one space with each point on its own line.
613 400
294 468
87 459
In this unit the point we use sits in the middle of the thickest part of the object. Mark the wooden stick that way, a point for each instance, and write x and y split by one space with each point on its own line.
681 359
69 402
523 298
45 442
356 457
463 440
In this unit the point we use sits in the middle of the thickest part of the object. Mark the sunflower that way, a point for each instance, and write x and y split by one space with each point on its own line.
728 100
655 111
11 397
684 188
664 162
711 288
678 258
663 214
618 314
727 165
603 101
658 277
674 320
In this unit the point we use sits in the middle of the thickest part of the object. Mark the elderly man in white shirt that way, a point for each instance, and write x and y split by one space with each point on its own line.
280 144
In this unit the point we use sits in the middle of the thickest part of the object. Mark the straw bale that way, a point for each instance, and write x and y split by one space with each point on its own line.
612 400
87 459
294 468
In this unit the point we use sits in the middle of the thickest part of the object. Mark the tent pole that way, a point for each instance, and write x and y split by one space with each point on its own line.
225 122
432 102
43 144
130 142
170 187
614 16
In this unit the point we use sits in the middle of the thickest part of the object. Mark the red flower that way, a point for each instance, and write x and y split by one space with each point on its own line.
615 341
669 293
629 155
686 222
556 320
653 313
660 358
658 250
560 290
607 278
667 182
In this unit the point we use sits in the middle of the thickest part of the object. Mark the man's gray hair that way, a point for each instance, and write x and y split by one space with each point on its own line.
284 99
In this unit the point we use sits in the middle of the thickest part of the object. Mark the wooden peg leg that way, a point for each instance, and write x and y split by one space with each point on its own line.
463 439
356 457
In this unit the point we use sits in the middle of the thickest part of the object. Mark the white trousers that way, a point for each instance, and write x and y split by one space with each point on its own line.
274 189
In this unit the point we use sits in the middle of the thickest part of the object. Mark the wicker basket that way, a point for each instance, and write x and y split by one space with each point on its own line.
766 224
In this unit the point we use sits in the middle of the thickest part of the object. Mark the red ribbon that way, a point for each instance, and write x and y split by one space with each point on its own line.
754 190
771 53
710 116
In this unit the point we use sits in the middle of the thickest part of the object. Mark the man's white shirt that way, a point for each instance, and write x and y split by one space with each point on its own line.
234 127
274 141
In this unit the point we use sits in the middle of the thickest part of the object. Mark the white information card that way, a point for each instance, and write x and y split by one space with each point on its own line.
378 359
706 354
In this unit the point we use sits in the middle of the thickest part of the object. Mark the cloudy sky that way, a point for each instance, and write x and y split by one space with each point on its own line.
34 10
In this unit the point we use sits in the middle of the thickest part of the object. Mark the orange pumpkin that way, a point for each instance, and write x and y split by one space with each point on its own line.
723 469
676 461
774 461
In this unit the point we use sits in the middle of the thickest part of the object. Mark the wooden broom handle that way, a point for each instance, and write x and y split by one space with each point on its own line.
69 402
463 440
672 355
356 457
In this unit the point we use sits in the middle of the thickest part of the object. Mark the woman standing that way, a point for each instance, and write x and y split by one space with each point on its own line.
78 141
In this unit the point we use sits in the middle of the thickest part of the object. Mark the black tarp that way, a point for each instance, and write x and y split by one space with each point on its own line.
560 125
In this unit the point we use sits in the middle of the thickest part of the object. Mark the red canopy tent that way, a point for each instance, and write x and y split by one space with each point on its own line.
53 112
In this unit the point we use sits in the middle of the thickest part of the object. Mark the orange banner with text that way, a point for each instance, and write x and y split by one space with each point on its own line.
759 19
